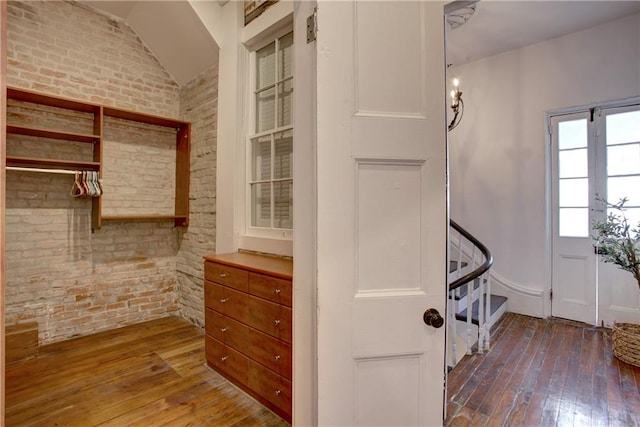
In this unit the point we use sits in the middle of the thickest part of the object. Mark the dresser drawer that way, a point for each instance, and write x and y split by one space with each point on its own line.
270 386
271 318
213 295
271 352
227 330
226 275
226 301
227 360
271 288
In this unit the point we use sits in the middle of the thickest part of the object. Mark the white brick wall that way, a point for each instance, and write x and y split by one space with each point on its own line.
199 100
72 281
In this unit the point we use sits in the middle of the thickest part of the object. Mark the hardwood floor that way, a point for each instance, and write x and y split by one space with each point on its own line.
151 374
544 373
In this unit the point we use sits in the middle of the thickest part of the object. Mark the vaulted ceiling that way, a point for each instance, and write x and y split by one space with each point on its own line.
179 33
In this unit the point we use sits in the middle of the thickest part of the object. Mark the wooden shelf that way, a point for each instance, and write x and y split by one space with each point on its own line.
51 163
182 163
143 118
179 220
50 100
52 134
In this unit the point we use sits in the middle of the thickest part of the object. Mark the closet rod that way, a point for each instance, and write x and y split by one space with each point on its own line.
62 171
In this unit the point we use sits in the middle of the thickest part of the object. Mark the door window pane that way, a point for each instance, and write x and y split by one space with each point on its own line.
572 134
574 222
624 186
574 192
573 163
623 128
623 159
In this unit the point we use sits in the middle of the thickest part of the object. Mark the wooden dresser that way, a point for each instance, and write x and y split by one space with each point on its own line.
248 302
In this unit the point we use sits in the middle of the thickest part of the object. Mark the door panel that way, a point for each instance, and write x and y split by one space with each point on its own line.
381 218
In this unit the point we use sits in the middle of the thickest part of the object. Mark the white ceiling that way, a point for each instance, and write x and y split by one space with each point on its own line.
171 30
502 25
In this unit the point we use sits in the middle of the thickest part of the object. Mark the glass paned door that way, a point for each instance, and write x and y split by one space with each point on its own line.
618 142
595 157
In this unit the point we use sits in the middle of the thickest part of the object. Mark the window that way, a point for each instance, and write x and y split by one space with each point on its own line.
270 146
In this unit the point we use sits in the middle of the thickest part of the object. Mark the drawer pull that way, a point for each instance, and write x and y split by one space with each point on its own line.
276 291
276 357
276 322
223 329
223 300
223 358
278 392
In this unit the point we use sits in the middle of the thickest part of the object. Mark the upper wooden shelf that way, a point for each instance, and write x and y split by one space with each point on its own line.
53 134
51 101
143 118
51 163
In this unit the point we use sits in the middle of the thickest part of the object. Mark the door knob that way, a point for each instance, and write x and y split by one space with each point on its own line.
432 318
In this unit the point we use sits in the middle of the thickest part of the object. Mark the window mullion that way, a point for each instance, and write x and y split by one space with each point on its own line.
272 193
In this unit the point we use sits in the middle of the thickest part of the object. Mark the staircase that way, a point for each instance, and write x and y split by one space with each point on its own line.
473 309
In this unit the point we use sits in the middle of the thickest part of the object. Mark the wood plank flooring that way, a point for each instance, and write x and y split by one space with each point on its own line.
544 372
150 374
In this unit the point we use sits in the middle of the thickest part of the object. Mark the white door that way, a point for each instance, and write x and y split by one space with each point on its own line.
618 175
381 212
596 156
574 264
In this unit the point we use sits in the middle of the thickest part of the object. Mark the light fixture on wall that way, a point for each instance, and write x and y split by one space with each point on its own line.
457 104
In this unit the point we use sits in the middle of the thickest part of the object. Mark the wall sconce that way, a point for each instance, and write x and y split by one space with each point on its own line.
457 104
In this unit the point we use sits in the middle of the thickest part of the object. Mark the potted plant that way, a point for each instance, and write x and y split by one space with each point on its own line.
619 243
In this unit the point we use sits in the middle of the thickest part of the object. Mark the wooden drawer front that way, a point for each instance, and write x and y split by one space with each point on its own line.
228 276
271 352
235 305
271 288
273 319
271 386
227 330
227 360
213 294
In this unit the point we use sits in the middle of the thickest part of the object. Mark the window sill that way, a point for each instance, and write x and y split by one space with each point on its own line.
266 245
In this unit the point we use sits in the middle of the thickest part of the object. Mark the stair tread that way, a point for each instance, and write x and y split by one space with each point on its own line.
496 302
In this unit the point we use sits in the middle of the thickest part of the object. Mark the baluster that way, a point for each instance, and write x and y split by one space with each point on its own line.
480 314
488 327
469 308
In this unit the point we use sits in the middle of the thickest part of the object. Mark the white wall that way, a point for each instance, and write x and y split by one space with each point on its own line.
497 153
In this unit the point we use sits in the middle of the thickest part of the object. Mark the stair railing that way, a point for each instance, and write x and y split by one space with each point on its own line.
466 248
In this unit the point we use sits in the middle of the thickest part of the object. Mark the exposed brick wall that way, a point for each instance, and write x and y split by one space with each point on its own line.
70 280
199 100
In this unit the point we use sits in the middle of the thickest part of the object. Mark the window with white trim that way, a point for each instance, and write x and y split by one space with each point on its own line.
270 145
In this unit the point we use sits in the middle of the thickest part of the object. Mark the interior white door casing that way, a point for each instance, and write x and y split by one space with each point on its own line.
381 212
